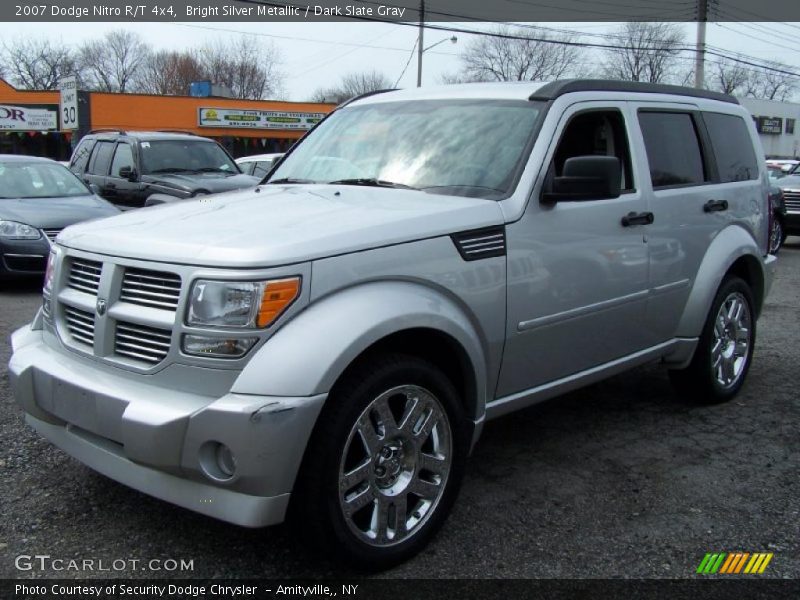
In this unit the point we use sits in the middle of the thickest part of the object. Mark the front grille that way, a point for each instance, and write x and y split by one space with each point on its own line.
25 263
792 200
51 234
84 276
80 324
151 288
146 344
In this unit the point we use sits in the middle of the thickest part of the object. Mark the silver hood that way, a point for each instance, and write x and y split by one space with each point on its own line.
279 225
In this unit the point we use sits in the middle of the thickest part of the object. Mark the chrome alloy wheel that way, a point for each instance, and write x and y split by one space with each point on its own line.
395 465
775 237
732 340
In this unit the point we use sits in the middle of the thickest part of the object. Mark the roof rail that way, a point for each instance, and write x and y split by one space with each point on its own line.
366 95
555 89
182 131
109 130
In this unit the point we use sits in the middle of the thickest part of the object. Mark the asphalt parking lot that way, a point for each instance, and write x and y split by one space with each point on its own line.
618 480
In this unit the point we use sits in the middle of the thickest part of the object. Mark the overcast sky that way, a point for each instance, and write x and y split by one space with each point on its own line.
318 54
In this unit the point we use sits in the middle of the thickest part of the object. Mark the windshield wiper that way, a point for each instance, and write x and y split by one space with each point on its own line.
213 170
171 170
373 182
291 180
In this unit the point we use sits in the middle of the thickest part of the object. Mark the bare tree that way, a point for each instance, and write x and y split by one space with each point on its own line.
352 84
37 64
112 63
168 73
524 55
728 77
250 68
649 52
771 83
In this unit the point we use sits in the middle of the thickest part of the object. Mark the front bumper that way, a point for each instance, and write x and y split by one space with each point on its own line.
23 257
157 440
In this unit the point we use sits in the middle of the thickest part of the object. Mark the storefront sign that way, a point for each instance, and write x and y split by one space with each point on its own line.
772 125
256 119
20 118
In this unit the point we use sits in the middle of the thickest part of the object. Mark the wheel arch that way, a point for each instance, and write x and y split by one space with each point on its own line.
314 350
733 251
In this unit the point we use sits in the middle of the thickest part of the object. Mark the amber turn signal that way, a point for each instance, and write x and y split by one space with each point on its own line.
277 297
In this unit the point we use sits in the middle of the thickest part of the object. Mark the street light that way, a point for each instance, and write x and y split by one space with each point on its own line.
422 50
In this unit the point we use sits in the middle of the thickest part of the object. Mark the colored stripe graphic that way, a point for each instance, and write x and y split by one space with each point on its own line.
734 563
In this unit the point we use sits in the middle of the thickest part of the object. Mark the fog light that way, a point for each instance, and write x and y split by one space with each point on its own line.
215 347
217 461
225 460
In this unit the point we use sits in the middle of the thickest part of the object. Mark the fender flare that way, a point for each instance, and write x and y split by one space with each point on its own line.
308 354
726 248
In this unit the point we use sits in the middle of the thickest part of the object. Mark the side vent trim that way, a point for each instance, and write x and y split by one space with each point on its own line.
481 243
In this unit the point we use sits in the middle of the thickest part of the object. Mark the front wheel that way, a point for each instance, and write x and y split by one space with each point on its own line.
384 464
725 349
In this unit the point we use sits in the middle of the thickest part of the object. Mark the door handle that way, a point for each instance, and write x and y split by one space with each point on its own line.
715 206
634 218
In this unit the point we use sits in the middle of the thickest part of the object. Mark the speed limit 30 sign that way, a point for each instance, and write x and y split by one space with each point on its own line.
68 112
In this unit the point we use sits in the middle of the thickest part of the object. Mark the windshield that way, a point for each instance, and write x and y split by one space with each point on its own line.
39 180
458 147
177 156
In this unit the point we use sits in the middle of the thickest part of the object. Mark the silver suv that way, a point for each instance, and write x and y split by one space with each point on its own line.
328 346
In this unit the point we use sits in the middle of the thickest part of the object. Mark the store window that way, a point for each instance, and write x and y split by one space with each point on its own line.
789 126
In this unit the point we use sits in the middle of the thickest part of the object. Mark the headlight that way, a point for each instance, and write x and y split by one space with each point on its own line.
246 304
50 271
18 231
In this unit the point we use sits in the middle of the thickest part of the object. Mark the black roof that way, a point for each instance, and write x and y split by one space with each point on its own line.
146 135
555 89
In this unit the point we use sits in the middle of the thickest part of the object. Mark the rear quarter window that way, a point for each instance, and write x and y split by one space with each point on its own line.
101 158
733 147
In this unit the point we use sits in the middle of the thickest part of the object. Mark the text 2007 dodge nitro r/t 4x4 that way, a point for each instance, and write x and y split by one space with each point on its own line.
328 345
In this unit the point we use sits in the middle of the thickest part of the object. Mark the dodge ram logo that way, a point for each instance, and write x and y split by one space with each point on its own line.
101 306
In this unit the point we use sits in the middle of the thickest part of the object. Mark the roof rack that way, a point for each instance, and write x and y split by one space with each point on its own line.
366 95
109 130
555 89
182 131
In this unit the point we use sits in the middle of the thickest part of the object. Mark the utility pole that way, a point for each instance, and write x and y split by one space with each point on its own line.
419 42
700 46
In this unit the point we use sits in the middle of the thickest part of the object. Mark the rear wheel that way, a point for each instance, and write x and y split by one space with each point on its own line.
725 349
384 464
776 236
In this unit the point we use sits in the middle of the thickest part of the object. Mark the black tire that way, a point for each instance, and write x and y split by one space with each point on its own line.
317 509
699 383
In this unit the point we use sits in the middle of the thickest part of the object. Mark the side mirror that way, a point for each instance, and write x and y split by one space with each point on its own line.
128 173
586 178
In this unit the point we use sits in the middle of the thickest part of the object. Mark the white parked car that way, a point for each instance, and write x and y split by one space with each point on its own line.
258 164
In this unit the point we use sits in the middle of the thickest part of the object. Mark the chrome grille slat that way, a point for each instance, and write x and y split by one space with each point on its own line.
151 288
143 343
51 233
84 275
80 325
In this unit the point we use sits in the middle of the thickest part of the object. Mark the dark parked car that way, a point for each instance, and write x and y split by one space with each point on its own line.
790 187
135 169
38 198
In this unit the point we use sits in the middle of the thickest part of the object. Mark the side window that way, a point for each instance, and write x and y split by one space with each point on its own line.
247 168
673 148
80 157
598 133
101 158
732 146
123 157
262 168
